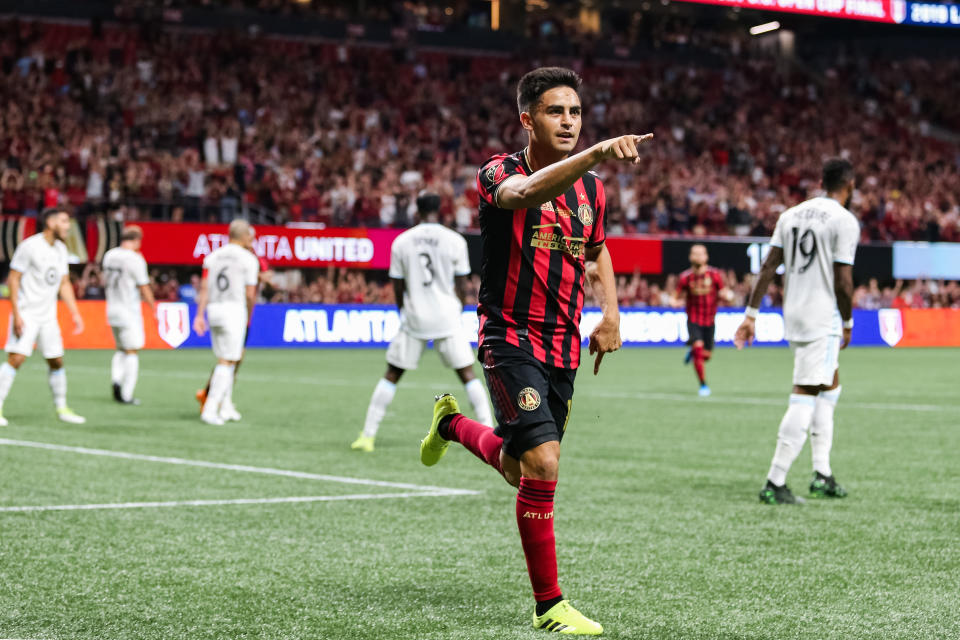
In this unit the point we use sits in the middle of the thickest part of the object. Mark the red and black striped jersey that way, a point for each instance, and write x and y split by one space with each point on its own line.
703 294
532 273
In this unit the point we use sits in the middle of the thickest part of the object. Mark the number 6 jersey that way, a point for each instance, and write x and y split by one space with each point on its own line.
813 235
230 269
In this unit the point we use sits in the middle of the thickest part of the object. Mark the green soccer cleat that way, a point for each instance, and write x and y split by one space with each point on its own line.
66 414
433 447
363 443
772 494
826 487
563 618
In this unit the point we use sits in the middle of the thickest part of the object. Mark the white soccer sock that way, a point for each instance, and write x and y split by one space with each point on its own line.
58 387
793 431
382 397
220 383
478 398
131 369
7 374
821 432
116 368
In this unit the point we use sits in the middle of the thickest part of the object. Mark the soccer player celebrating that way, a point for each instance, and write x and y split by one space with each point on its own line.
702 287
429 265
541 217
228 290
816 242
38 274
127 283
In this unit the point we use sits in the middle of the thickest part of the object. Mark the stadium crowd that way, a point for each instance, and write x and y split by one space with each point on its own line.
159 123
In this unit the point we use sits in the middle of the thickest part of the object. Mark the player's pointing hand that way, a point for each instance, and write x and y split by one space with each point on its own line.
604 338
623 148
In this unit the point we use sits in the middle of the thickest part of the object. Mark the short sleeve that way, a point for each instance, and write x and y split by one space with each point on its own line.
140 272
396 261
461 260
776 240
846 239
682 283
598 235
21 258
253 271
718 278
207 262
493 173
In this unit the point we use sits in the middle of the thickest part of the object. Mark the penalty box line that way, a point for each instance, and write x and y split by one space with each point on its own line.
412 490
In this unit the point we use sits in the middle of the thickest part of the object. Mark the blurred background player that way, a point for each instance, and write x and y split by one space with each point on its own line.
127 284
701 286
816 242
542 221
429 266
38 274
228 291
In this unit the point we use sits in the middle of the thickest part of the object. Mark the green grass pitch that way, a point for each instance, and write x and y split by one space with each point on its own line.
660 534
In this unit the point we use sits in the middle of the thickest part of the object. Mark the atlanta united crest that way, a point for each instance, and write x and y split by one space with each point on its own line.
173 322
891 325
528 399
585 213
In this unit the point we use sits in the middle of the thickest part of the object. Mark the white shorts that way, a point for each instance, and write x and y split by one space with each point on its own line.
815 363
129 337
45 333
228 330
405 350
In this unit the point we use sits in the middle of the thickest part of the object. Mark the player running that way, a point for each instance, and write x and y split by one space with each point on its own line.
816 242
541 217
429 265
228 290
701 286
128 284
38 274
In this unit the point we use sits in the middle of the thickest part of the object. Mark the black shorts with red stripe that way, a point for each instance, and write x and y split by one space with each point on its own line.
531 400
701 333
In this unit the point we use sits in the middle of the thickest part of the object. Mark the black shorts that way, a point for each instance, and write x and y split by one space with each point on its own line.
531 400
701 332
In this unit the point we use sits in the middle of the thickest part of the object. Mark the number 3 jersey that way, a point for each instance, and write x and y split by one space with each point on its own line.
813 235
230 270
426 258
124 272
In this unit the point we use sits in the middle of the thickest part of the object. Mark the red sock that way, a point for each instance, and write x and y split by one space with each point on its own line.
698 361
535 520
478 438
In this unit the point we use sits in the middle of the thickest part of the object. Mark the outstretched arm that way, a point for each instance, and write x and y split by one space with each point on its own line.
747 330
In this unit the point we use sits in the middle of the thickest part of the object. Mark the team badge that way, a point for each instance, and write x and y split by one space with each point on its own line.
51 276
528 399
585 213
173 322
495 174
891 325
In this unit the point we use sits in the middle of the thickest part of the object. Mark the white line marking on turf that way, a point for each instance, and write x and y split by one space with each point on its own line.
236 501
237 467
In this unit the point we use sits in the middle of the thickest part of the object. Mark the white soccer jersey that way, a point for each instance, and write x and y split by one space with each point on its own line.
230 269
125 271
43 266
813 235
427 257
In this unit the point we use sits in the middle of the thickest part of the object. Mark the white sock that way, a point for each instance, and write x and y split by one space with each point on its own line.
793 431
116 368
7 374
382 397
821 432
478 398
131 369
228 396
58 387
220 383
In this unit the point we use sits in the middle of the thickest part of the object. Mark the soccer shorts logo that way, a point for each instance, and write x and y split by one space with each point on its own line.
528 399
585 213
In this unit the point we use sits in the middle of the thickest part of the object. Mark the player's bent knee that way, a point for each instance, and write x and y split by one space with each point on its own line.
15 359
542 462
55 363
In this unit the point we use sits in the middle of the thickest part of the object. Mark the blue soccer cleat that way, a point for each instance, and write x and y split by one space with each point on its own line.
704 391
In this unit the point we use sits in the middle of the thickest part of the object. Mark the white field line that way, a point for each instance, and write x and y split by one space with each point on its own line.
236 501
237 467
623 395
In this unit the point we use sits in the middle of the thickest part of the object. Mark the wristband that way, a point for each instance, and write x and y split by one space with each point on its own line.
848 324
751 312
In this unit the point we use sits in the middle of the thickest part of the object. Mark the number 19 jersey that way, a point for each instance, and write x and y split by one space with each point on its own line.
427 258
230 270
813 235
